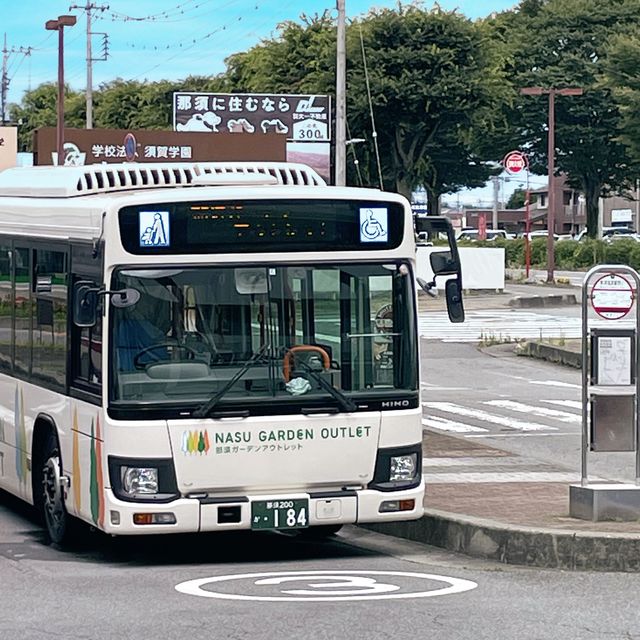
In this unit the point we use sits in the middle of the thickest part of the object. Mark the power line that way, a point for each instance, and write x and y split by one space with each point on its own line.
163 16
194 40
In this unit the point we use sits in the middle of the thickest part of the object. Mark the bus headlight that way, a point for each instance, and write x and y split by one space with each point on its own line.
403 468
139 480
143 479
398 468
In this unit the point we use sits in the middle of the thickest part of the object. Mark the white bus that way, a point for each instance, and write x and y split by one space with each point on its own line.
209 347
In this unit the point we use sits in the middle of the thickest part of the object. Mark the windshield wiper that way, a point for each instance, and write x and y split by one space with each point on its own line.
204 410
346 403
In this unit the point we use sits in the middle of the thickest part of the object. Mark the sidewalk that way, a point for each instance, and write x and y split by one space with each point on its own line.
516 294
515 521
522 523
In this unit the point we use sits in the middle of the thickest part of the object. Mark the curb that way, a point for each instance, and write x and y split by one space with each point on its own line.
551 353
553 300
509 544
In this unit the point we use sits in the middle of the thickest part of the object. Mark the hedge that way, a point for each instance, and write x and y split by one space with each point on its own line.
569 254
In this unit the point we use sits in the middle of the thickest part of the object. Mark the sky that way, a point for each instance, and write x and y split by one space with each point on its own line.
163 39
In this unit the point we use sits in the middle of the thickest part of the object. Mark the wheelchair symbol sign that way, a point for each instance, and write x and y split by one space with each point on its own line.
374 224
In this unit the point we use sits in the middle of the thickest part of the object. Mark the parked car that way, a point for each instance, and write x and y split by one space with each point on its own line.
614 237
492 234
540 233
609 231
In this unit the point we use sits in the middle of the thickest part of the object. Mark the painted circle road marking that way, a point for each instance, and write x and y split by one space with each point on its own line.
326 586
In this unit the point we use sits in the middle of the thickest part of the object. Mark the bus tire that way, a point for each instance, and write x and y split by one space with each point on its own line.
49 496
320 532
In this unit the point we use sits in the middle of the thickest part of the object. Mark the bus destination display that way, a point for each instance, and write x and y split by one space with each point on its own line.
252 226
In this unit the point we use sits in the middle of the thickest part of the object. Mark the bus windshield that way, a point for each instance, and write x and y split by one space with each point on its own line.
328 335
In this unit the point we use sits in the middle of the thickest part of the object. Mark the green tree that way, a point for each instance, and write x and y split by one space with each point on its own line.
435 87
300 59
569 50
517 199
129 104
434 84
38 108
620 75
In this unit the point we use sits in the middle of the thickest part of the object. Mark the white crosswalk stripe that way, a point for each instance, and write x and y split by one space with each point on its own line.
484 416
450 425
563 416
570 404
498 325
503 417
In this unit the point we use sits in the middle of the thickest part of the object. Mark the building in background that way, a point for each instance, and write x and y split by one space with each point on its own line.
91 146
8 147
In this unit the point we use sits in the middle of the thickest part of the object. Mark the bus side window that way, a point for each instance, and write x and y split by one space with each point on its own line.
6 310
49 317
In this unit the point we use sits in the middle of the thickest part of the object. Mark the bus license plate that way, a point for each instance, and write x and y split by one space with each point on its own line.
280 514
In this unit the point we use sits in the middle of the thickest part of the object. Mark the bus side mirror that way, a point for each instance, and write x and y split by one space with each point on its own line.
443 264
453 293
85 304
85 301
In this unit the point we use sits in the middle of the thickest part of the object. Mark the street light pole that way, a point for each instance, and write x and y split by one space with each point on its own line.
551 196
59 25
341 103
551 153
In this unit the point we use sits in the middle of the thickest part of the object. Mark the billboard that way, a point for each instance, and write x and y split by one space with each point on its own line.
8 147
90 146
304 121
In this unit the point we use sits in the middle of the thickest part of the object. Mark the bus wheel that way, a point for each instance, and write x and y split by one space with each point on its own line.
320 532
51 503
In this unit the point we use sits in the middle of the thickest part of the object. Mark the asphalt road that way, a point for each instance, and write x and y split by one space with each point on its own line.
357 585
525 406
267 586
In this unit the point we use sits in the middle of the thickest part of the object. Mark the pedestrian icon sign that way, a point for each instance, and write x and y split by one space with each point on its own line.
154 228
374 224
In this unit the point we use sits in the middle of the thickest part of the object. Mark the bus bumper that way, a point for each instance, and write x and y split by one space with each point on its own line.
188 515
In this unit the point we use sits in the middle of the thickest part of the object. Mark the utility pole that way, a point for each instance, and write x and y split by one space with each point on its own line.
496 192
636 226
341 103
90 59
4 80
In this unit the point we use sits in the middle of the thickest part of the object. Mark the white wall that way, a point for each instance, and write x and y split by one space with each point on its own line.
482 267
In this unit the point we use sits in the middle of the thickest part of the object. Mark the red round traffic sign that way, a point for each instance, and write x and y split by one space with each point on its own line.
515 162
612 296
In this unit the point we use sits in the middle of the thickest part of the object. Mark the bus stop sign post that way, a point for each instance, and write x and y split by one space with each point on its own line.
514 163
610 391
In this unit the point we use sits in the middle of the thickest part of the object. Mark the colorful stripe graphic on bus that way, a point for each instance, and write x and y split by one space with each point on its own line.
21 438
195 442
76 481
96 489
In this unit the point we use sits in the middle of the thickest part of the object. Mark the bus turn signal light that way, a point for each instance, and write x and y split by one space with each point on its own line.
154 518
389 506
